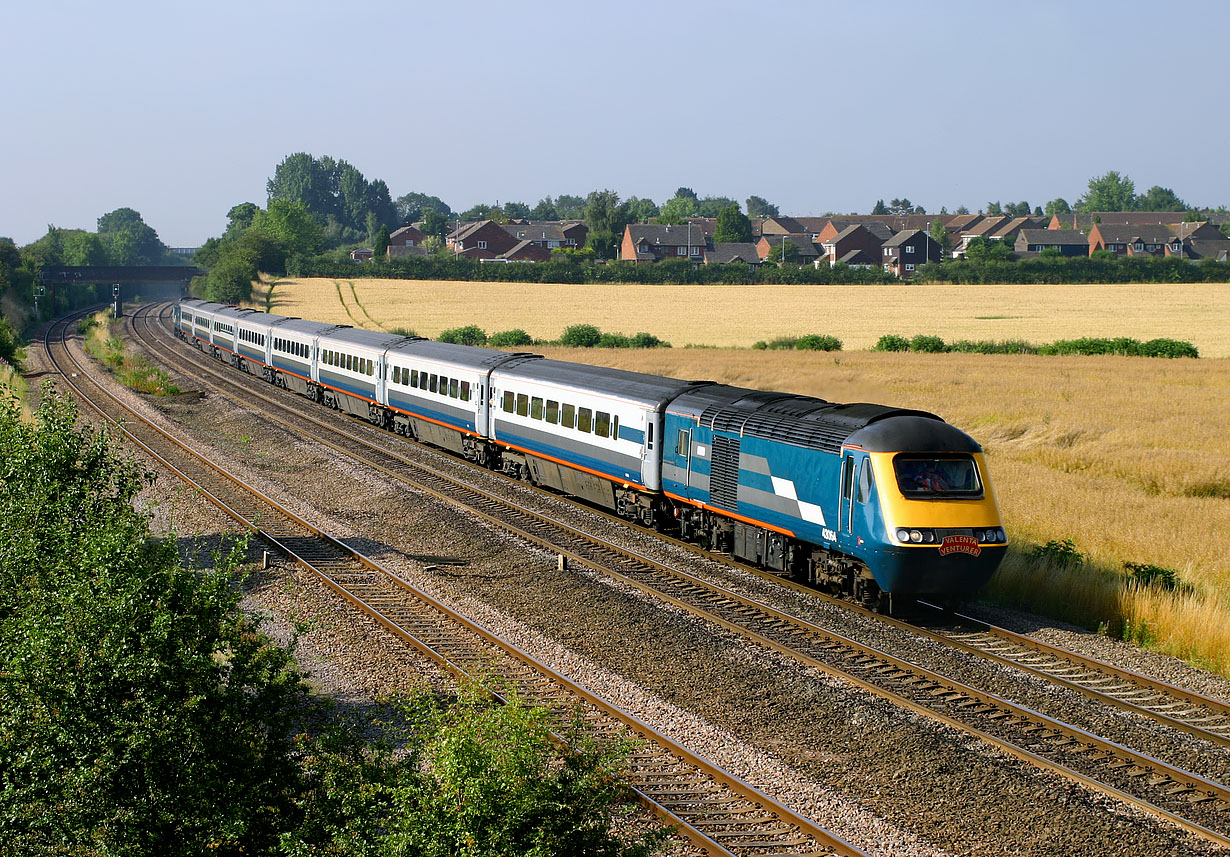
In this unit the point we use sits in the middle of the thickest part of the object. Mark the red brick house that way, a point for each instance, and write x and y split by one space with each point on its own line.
406 236
808 251
550 234
1173 239
648 242
526 251
905 251
1069 242
857 244
484 239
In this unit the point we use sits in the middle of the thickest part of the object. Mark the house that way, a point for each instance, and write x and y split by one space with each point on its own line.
834 225
1151 240
362 254
648 242
1009 230
905 251
406 236
1085 222
983 228
808 252
856 241
1068 242
526 251
550 234
484 239
728 252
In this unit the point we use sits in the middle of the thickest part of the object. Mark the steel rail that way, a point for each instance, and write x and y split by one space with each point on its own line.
922 682
738 818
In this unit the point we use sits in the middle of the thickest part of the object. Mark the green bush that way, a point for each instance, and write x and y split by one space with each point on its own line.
759 345
648 340
1155 575
614 340
471 334
580 336
927 344
1060 553
1168 348
403 331
514 338
991 346
782 343
818 342
892 342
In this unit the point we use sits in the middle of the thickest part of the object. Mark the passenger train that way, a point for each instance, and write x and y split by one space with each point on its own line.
863 500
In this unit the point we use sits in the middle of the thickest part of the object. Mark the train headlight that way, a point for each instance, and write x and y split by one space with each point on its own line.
916 536
903 535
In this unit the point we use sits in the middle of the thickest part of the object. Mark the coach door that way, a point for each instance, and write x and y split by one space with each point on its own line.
845 506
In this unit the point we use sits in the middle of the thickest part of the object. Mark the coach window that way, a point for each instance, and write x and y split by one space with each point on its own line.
465 391
569 417
508 402
414 377
523 404
615 426
681 445
585 419
864 481
536 408
432 382
552 411
454 388
602 424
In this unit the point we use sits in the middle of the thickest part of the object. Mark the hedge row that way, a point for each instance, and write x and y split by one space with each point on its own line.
1081 269
575 336
1085 345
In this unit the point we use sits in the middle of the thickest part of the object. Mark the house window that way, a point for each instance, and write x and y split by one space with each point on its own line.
1175 246
909 266
482 245
887 251
695 251
682 251
1138 246
909 248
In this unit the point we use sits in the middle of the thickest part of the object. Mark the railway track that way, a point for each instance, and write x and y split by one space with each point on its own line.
714 810
1185 798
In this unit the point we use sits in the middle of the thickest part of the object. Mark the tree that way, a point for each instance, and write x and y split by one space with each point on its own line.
1110 192
880 208
1160 199
1058 205
686 193
293 225
544 210
140 711
435 223
903 207
981 250
380 247
570 207
732 225
334 192
516 210
1017 209
239 218
1038 211
607 217
414 206
994 209
641 210
677 210
962 210
129 239
711 206
781 252
760 207
940 236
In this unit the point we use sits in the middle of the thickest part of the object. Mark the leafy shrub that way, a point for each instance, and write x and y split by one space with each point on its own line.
402 331
471 334
759 345
1061 553
782 343
648 340
818 342
614 340
580 336
927 344
991 346
510 339
892 342
1155 575
1168 348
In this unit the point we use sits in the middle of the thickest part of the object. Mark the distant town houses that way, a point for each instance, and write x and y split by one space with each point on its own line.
898 243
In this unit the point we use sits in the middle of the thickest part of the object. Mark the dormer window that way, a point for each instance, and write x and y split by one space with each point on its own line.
1138 246
1175 246
482 245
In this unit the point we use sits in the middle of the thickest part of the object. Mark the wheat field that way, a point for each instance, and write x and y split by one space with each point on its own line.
737 316
1127 457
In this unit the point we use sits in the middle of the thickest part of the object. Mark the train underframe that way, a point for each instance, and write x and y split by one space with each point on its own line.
801 561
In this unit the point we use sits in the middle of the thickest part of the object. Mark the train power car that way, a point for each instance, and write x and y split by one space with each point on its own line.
859 499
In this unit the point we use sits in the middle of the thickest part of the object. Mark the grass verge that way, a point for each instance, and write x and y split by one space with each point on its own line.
131 370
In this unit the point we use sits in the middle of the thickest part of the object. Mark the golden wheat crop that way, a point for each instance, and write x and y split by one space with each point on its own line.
1128 457
738 316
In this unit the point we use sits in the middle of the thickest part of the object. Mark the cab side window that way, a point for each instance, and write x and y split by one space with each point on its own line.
864 481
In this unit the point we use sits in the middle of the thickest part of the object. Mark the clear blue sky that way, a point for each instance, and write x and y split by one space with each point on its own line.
183 110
